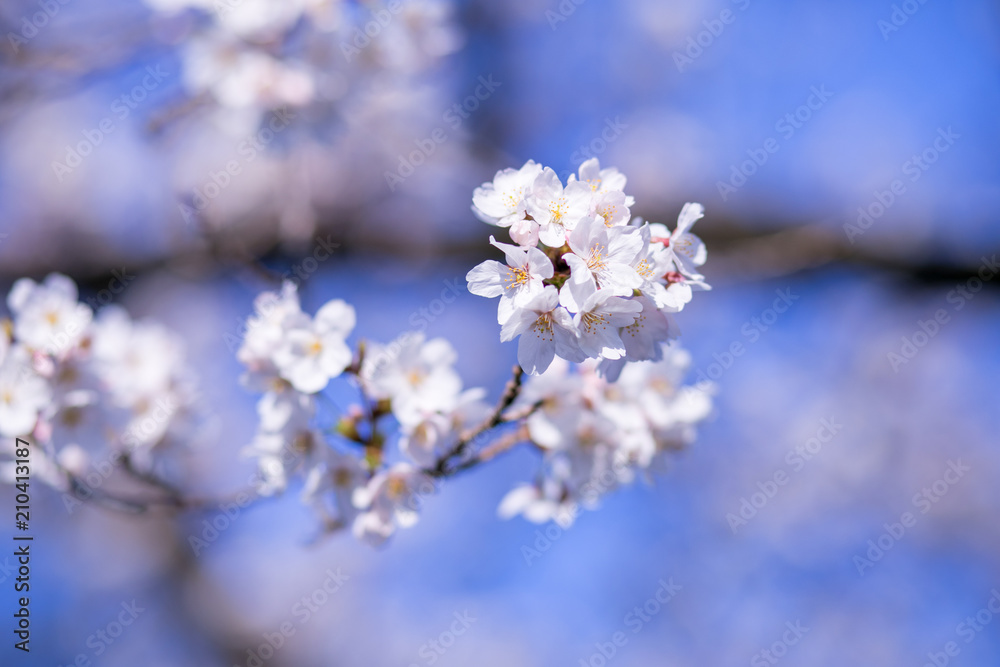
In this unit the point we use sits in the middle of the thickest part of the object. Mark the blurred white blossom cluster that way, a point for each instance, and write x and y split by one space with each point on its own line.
596 435
96 393
585 280
258 55
406 393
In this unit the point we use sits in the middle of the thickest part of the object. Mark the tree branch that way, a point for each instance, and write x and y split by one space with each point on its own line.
510 394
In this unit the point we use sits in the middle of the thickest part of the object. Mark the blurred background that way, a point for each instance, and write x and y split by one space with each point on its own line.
846 155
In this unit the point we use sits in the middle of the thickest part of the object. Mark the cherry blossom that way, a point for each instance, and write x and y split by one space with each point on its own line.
416 375
503 202
686 250
47 316
391 499
599 318
601 181
556 208
608 434
23 394
313 349
605 256
519 280
546 329
619 280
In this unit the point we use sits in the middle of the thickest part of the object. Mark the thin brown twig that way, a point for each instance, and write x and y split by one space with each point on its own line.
492 451
510 394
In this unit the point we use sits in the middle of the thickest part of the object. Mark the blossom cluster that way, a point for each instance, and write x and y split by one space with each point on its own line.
352 476
255 55
585 280
91 390
372 466
596 436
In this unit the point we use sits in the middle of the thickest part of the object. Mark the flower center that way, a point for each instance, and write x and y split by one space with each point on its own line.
558 209
543 326
342 477
303 442
596 261
67 375
591 321
608 213
516 276
71 417
513 198
396 488
644 268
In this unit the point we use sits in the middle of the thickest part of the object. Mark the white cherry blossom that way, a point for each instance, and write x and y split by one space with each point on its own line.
612 207
599 316
556 400
285 439
79 420
136 360
605 255
23 394
313 350
47 316
502 202
602 181
274 314
330 486
438 432
686 250
609 434
546 329
538 503
244 78
515 282
391 499
415 374
557 209
642 338
5 328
